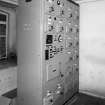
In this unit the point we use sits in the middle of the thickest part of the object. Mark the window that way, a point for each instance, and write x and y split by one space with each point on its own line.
3 34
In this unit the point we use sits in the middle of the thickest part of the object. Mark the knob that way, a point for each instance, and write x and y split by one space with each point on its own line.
58 2
51 100
70 58
58 86
70 15
49 18
50 27
51 9
59 92
77 30
60 39
77 69
48 93
61 74
61 4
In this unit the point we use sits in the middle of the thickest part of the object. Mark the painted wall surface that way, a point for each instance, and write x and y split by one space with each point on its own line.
92 47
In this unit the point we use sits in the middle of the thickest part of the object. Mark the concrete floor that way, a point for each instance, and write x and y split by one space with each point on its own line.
83 99
78 99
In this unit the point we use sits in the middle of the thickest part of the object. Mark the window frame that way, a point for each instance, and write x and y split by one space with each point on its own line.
7 31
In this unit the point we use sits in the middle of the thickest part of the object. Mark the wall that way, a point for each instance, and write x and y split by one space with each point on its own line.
92 47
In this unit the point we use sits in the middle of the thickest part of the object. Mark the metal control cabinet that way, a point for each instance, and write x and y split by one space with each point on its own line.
48 51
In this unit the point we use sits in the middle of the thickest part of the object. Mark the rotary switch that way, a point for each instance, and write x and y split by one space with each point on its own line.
60 38
58 2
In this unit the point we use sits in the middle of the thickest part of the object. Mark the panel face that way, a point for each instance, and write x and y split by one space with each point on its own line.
61 50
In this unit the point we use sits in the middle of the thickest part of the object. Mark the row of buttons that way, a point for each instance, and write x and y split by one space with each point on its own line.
51 51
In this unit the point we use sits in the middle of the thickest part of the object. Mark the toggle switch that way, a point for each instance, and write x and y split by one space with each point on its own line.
58 2
62 12
49 19
70 15
51 9
50 27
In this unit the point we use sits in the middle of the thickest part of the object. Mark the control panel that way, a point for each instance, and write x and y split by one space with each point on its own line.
61 46
48 51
